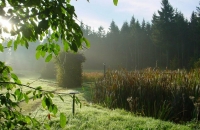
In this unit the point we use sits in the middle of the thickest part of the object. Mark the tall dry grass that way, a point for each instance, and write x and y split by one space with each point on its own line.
91 76
166 95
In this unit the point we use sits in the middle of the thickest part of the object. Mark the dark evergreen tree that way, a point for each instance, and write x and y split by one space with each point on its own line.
101 32
124 46
163 34
181 39
112 42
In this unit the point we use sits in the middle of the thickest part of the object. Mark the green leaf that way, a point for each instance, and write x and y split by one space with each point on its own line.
38 88
1 47
15 45
26 98
57 47
43 102
28 92
63 10
51 95
10 68
39 47
48 102
86 42
14 76
9 43
43 53
39 95
41 37
115 2
56 52
7 95
55 109
43 25
49 57
18 81
33 10
22 123
66 46
28 119
3 100
74 47
63 120
37 55
26 44
17 41
20 96
17 92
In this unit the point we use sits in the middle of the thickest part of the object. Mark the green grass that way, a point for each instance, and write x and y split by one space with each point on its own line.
91 116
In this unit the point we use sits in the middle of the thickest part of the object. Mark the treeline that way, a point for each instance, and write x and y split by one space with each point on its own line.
169 41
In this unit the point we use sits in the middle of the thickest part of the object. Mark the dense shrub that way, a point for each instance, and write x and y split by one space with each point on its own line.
167 95
69 69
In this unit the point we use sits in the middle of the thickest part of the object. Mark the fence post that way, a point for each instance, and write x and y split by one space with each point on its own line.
104 68
73 103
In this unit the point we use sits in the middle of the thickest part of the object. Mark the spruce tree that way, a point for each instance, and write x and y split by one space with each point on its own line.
163 24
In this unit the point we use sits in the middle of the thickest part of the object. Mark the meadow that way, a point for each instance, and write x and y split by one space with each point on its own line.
102 114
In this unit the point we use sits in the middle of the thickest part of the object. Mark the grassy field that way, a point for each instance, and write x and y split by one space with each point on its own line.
89 116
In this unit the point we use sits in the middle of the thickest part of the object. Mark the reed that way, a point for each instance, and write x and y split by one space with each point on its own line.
153 93
91 76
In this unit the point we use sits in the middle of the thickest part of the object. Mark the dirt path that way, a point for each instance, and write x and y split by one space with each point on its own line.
32 105
47 85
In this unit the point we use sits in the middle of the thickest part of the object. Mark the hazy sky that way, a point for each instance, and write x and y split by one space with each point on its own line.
97 13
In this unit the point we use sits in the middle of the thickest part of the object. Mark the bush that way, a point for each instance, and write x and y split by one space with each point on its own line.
69 69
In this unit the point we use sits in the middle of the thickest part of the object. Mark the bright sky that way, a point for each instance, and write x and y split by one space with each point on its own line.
96 13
